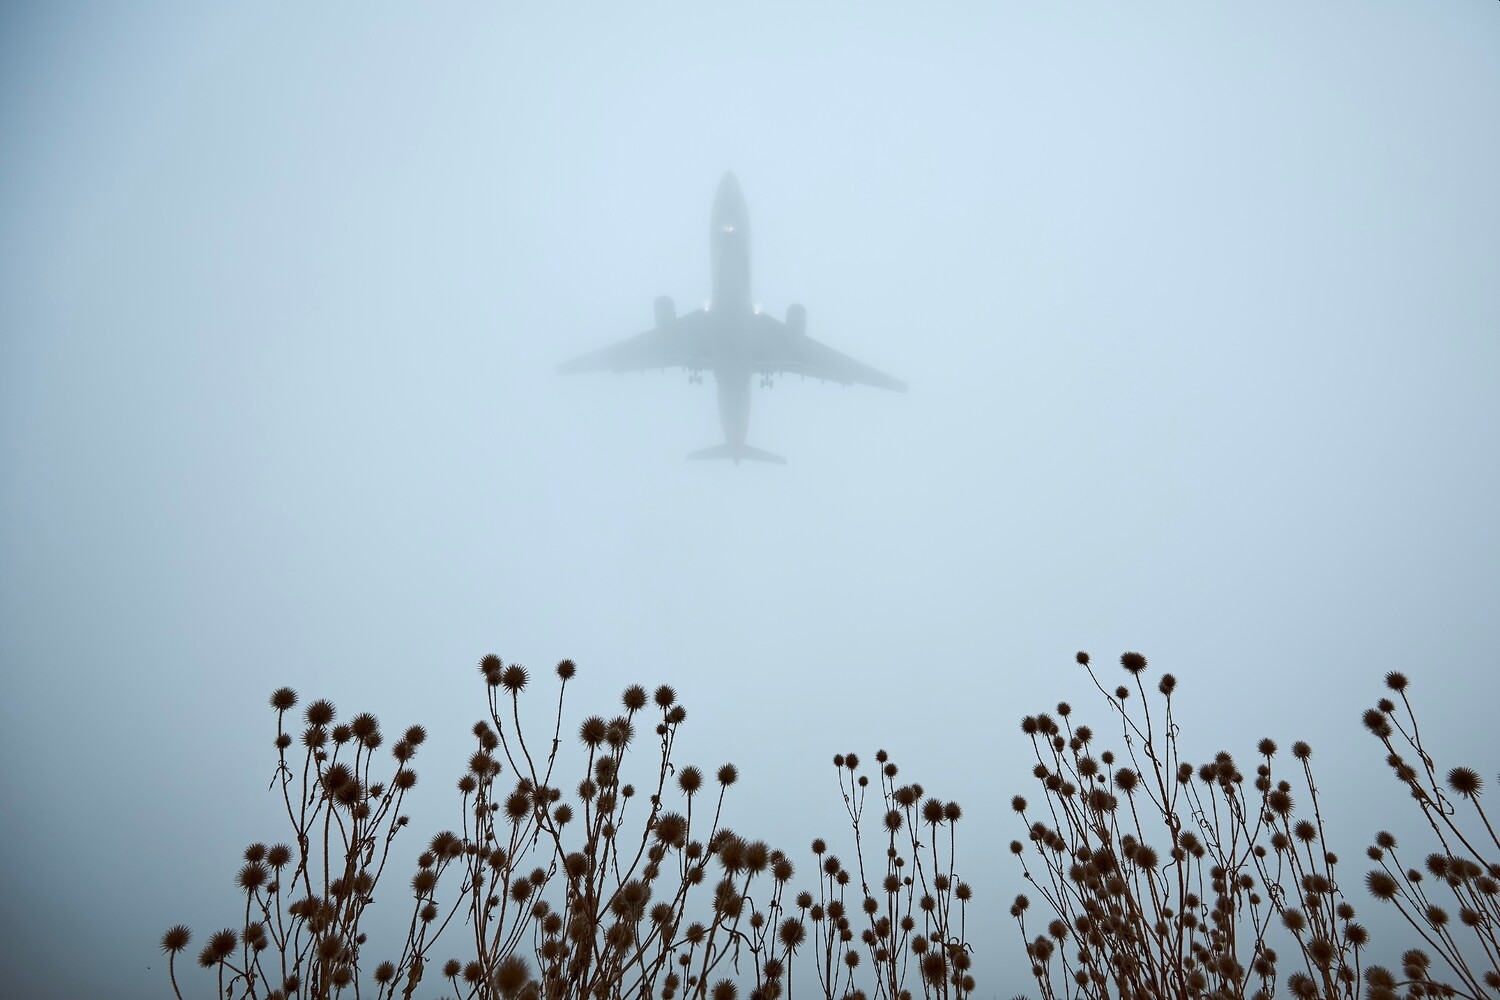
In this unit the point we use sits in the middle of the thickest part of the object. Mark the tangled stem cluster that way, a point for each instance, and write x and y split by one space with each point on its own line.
615 878
1162 878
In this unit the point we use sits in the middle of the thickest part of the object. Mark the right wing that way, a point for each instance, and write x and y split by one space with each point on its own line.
779 348
683 343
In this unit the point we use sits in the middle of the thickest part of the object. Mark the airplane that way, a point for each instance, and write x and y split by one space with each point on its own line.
731 338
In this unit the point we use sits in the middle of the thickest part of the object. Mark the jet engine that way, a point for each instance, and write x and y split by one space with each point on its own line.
796 320
666 312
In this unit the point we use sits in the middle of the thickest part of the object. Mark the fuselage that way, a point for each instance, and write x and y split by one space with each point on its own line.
731 308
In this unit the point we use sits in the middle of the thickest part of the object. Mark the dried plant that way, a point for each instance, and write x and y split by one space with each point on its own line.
1471 883
1166 879
620 880
912 922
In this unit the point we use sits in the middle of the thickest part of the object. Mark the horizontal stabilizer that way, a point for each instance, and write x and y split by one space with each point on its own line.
737 453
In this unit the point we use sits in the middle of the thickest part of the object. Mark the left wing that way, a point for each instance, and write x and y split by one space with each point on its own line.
680 343
779 348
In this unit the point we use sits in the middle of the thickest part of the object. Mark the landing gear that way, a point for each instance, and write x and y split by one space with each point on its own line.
765 382
695 378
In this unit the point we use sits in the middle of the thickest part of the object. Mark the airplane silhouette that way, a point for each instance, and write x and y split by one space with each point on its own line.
731 338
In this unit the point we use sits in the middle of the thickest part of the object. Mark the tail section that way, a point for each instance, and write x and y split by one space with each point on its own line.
736 453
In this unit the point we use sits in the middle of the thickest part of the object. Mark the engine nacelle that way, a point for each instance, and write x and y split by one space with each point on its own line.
666 312
796 320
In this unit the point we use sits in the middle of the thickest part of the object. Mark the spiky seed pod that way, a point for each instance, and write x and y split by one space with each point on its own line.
566 670
1396 680
278 855
1133 662
337 777
176 939
513 678
728 774
1302 986
364 724
1465 781
1376 723
283 699
320 713
932 812
1122 692
222 944
1381 885
633 698
1082 658
619 733
252 877
592 731
490 663
952 812
517 806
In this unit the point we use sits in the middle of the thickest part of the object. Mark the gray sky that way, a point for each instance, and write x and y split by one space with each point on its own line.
1200 306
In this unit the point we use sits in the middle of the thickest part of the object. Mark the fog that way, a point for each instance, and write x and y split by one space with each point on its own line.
1199 306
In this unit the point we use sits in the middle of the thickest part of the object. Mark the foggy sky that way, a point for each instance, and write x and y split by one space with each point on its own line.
1200 307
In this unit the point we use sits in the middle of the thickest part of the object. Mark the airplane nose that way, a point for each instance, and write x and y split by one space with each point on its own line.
729 204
